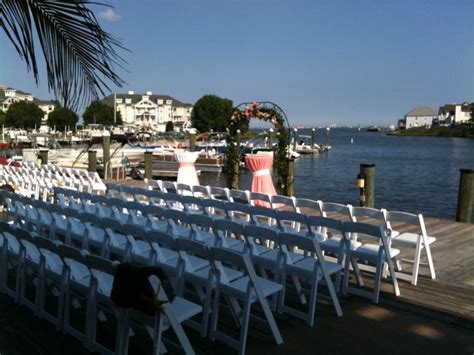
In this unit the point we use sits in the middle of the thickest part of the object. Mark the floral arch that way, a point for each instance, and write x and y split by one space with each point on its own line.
265 111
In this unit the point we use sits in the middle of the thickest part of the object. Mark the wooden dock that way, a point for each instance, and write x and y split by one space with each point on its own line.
450 296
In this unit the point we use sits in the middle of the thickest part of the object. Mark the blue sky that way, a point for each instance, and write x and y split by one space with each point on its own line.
344 62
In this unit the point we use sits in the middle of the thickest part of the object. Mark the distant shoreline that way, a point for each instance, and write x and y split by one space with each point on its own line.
463 131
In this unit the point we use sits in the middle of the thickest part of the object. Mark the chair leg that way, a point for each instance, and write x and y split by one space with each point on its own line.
378 280
245 327
430 261
271 321
416 265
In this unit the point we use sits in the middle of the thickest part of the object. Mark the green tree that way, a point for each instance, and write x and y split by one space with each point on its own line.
169 126
62 117
80 56
2 118
212 112
24 114
101 113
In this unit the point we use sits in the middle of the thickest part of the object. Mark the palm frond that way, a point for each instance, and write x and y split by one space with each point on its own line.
80 57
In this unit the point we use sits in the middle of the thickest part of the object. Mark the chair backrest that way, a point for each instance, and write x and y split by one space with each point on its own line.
260 235
219 193
162 238
201 191
184 189
307 245
324 225
263 216
238 211
307 206
169 186
239 196
213 208
192 204
201 223
283 202
368 215
407 219
188 247
229 229
156 197
153 184
292 220
336 210
259 198
365 230
173 200
104 265
231 259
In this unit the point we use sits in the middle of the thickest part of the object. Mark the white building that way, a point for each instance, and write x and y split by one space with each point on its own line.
418 117
10 95
455 113
148 111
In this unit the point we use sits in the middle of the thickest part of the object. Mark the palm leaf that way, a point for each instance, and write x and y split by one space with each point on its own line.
80 57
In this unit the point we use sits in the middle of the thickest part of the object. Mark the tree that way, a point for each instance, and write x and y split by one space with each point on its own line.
211 112
101 113
62 117
24 114
169 126
2 118
80 57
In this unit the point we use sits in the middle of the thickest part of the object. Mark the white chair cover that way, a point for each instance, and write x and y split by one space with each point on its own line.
187 172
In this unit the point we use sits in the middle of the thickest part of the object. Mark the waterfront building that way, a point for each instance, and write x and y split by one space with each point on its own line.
151 112
10 95
421 116
455 113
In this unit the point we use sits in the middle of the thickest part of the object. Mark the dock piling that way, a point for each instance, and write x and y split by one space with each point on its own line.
235 179
290 182
465 196
106 154
43 155
368 197
92 161
192 141
148 165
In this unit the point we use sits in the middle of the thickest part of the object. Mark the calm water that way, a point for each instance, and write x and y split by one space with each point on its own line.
413 174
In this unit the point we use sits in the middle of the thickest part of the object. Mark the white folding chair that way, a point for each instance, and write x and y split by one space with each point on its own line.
379 253
239 196
219 193
312 268
285 203
417 239
247 289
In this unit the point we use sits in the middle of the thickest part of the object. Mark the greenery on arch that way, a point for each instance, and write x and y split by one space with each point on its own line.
266 112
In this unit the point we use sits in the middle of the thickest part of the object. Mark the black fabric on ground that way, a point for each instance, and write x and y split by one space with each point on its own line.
131 288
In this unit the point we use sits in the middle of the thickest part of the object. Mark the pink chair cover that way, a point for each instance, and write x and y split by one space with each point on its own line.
187 172
260 166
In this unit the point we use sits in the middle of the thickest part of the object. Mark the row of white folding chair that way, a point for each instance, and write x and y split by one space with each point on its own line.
71 271
221 193
204 229
331 234
108 223
85 181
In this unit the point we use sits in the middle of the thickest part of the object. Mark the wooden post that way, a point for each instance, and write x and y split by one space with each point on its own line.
92 161
270 138
43 155
192 141
313 138
465 196
106 154
148 165
327 136
368 171
235 179
295 138
290 182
